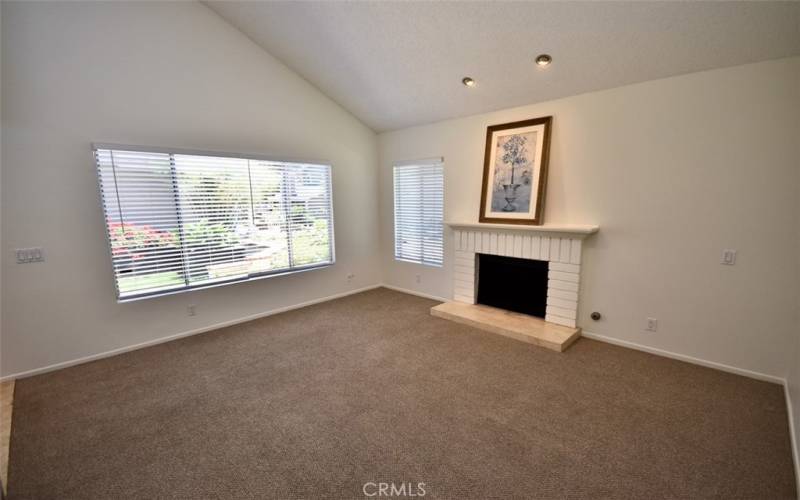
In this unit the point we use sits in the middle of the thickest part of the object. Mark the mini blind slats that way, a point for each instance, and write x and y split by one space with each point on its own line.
418 212
180 221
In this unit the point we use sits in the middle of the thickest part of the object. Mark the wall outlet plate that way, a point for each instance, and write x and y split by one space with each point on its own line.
728 257
652 325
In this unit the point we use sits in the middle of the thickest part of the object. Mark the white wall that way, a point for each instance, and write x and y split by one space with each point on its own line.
673 171
162 74
793 389
1 191
793 379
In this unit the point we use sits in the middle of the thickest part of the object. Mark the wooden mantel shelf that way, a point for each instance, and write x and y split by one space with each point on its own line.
578 230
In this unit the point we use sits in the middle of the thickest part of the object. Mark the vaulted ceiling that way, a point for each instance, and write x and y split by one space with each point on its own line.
397 64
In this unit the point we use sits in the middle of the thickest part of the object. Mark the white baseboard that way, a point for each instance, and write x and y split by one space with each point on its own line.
121 350
414 292
683 357
794 436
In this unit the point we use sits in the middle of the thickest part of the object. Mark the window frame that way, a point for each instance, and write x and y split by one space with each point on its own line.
220 154
423 163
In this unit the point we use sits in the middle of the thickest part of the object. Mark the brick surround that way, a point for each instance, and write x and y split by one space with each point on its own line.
560 246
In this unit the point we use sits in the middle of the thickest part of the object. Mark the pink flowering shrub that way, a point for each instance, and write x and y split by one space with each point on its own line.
133 241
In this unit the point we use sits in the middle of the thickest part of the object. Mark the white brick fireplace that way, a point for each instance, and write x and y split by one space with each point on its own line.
559 245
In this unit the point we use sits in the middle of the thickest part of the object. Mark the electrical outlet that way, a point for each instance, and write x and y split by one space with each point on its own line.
29 255
350 277
728 257
652 325
419 278
191 310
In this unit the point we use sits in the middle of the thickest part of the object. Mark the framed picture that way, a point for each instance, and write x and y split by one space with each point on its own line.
515 172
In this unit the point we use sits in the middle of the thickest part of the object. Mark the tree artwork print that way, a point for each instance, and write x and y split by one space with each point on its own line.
515 172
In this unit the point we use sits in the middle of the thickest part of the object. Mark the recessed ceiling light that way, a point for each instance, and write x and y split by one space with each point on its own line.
543 60
469 82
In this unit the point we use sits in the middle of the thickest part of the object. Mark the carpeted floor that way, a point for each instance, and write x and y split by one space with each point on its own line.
370 388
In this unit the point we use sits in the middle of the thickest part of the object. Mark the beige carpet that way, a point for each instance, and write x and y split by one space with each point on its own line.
370 388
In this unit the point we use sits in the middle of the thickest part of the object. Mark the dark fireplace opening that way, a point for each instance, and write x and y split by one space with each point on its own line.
518 285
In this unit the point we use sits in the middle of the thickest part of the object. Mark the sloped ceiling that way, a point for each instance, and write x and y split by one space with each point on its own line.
397 64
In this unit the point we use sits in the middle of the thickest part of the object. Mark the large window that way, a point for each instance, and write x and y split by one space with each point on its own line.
418 212
180 220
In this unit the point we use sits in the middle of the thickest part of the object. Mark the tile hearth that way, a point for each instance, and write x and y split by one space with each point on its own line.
510 324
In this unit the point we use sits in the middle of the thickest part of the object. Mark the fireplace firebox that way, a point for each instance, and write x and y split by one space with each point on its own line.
514 284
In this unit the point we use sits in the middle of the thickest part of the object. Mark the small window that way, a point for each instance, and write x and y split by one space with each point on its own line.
180 220
419 212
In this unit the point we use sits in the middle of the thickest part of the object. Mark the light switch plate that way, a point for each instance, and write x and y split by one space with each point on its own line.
29 255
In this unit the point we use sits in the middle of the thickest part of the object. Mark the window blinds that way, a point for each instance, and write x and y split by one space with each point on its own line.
419 212
178 221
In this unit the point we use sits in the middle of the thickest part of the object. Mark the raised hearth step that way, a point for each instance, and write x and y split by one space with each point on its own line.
510 324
